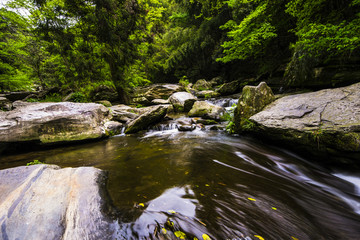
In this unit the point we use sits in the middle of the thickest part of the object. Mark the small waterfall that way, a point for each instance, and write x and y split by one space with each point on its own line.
163 127
223 102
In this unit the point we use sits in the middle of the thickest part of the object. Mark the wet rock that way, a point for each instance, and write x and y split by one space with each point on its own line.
53 122
182 101
159 102
202 84
142 101
322 121
152 116
123 113
206 110
217 128
113 128
207 94
5 104
206 121
186 128
46 202
252 100
161 91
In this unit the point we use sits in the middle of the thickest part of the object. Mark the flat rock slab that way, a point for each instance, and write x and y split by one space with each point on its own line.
53 122
46 202
328 118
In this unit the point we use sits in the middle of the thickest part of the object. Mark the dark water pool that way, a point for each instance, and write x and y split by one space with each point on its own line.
211 183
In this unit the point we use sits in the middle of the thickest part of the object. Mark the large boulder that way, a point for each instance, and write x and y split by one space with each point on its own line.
53 122
202 84
46 202
152 116
206 110
252 100
323 121
182 101
161 91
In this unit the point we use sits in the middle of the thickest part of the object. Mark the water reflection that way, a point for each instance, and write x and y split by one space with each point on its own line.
208 182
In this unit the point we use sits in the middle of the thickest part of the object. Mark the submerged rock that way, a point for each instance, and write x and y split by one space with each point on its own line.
206 110
152 116
252 100
46 202
321 121
182 101
53 122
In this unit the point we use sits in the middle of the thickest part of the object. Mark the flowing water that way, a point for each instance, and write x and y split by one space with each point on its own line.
205 182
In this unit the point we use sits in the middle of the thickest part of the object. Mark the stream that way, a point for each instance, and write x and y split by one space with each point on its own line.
208 182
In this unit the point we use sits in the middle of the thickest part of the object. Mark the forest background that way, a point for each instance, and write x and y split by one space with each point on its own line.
80 45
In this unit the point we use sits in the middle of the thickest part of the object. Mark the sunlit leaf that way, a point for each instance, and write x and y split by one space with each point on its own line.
180 234
171 211
206 237
163 230
141 205
274 208
251 199
294 238
207 185
259 237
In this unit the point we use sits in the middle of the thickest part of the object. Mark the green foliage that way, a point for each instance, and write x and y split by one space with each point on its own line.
78 97
250 37
35 162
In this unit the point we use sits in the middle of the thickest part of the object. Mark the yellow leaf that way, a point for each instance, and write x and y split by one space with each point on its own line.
274 208
259 237
180 234
251 199
207 185
171 211
195 238
163 230
206 237
141 205
294 238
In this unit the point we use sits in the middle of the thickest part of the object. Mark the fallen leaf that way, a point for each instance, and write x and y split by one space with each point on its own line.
171 211
206 237
180 234
251 199
259 237
207 185
274 208
141 205
294 238
163 230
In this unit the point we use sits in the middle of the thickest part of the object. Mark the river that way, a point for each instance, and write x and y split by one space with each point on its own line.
208 182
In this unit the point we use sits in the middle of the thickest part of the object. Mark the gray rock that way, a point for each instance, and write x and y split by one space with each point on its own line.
161 91
113 128
142 101
202 84
186 128
53 122
123 113
159 101
154 115
45 202
182 101
252 100
5 104
323 120
207 94
206 110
